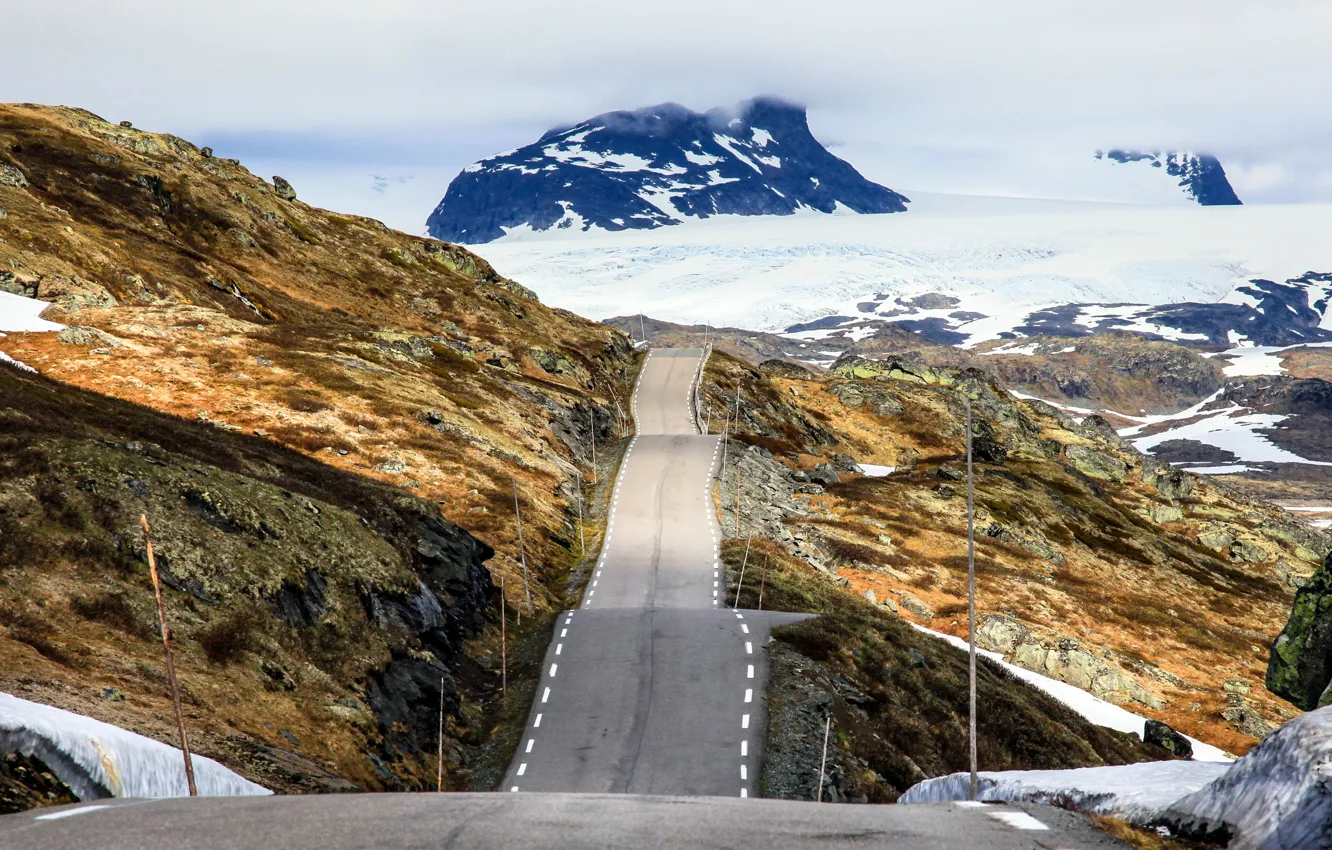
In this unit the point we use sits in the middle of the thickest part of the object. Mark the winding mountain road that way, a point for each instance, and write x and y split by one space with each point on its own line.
649 716
654 686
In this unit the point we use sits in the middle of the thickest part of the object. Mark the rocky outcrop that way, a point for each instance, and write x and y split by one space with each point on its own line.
1096 464
1160 734
1068 662
1300 665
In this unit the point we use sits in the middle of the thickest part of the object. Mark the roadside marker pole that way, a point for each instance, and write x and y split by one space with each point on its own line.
641 328
439 779
971 609
170 662
741 583
582 539
763 580
504 641
592 418
827 725
522 554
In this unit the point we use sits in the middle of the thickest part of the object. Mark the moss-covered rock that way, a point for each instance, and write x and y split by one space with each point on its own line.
1300 665
1096 464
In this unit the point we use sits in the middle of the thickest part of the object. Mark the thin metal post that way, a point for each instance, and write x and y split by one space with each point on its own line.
582 539
170 662
827 725
971 609
504 641
763 580
592 418
741 583
522 553
641 328
439 778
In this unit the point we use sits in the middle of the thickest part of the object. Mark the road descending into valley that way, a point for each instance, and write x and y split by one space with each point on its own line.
653 685
646 730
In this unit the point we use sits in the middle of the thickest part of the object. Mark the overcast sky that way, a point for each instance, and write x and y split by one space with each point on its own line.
392 97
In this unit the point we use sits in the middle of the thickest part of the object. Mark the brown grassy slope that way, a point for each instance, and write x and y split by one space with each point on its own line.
192 288
1068 555
326 332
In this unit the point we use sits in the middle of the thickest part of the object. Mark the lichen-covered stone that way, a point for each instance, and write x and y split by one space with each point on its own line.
1300 665
1096 464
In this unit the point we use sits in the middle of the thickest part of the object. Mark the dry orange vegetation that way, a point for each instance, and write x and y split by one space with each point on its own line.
1068 555
190 286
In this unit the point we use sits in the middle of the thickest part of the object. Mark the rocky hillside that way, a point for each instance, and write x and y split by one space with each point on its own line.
654 167
1147 586
329 422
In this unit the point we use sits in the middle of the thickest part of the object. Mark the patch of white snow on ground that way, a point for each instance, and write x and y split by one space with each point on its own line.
1252 360
1096 710
5 358
1134 792
96 759
1235 434
19 314
873 470
1277 797
1224 469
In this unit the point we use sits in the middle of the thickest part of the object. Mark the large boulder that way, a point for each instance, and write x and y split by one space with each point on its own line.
1300 665
1156 732
1071 664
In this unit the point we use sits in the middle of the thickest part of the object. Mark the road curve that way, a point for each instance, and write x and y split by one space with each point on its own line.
653 686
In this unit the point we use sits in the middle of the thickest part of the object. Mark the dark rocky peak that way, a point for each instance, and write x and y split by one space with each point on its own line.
1200 175
655 167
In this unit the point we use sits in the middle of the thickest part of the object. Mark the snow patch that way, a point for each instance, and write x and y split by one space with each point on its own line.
97 760
1133 792
874 470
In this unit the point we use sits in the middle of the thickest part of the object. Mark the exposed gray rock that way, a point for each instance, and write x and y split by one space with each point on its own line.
1247 722
915 606
1095 464
1249 551
391 467
1001 634
88 337
1075 666
284 189
1162 514
11 176
870 597
1156 732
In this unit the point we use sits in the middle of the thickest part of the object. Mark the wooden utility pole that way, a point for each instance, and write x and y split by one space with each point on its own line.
827 725
592 418
582 539
504 641
641 327
743 562
971 609
763 580
439 779
170 662
522 554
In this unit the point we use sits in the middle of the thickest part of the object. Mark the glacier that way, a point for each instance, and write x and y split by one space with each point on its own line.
98 760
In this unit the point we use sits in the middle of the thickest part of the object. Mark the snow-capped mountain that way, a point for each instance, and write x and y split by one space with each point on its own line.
655 167
1200 175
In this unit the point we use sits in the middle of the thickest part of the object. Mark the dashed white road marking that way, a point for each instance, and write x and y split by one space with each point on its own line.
564 632
559 647
530 742
514 789
744 628
744 792
537 724
751 672
522 768
553 668
1018 820
749 648
749 694
744 721
744 748
545 696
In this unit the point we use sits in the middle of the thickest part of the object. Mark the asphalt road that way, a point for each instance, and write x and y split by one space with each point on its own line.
411 821
654 686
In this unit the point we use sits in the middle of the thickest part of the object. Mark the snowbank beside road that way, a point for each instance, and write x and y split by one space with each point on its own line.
1133 792
1277 797
96 759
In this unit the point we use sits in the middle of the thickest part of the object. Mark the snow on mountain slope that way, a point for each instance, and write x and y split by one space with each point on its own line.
654 167
1004 269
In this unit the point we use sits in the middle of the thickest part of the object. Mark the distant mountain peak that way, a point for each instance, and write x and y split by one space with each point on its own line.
656 167
1200 175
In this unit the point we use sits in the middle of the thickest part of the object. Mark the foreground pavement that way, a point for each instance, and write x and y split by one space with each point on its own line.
500 820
